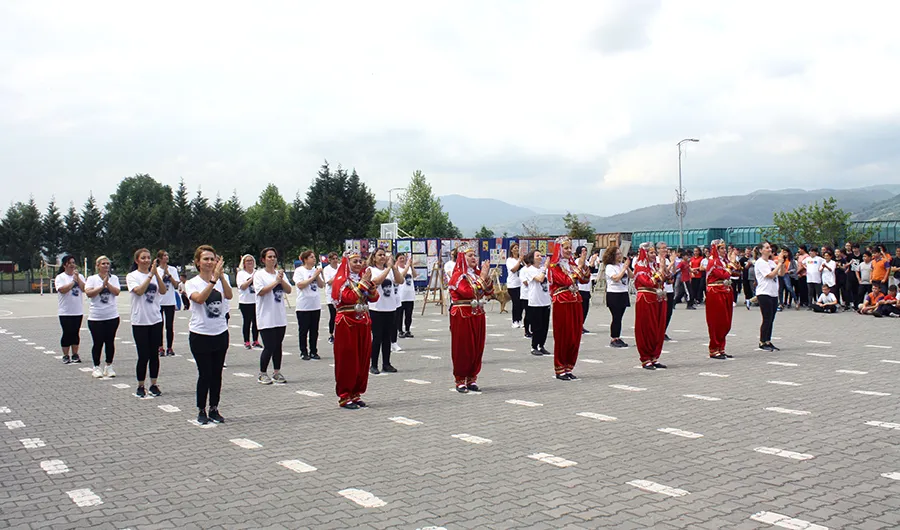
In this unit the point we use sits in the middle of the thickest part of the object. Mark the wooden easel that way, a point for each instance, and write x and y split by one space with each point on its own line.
435 287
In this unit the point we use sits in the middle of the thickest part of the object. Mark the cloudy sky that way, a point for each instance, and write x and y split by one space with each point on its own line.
563 105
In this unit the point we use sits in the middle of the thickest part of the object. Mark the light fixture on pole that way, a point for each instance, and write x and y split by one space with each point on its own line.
391 202
680 206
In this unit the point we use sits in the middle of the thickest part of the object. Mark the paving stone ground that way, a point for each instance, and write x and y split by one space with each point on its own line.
155 469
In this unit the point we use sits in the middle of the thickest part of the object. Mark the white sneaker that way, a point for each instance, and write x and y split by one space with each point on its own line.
108 371
97 373
395 347
515 325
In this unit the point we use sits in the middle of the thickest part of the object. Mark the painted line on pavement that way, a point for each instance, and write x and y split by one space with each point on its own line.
822 355
362 497
309 393
784 383
595 416
852 372
433 357
472 439
712 374
169 408
32 443
776 519
54 467
782 453
892 476
779 363
553 460
297 466
246 443
524 403
653 487
886 425
418 381
405 421
871 393
514 371
84 498
679 432
628 388
787 411
877 346
16 424
702 398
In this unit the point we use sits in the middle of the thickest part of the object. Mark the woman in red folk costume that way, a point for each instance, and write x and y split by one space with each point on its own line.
568 315
650 309
467 324
351 291
719 300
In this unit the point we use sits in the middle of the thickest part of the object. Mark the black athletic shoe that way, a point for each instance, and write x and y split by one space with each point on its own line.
410 335
719 356
774 348
315 357
462 389
66 359
140 392
472 387
728 356
562 377
389 368
585 331
360 403
331 339
202 418
667 337
765 347
544 351
304 356
374 370
350 405
75 358
649 366
533 352
571 376
214 415
694 308
154 391
527 335
170 353
622 343
660 365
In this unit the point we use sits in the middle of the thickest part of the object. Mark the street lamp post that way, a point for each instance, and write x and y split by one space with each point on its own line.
680 207
391 202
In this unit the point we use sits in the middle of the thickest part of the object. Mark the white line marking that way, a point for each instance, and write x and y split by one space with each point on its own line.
782 453
595 416
472 439
679 432
893 476
504 349
22 340
246 443
890 361
524 403
17 424
185 332
309 393
653 487
297 465
127 342
785 383
54 467
788 411
553 460
363 498
435 320
871 393
405 421
776 519
591 361
681 330
231 326
242 374
629 388
779 363
702 398
39 348
418 381
84 498
192 361
433 357
852 372
32 443
818 342
209 425
712 374
496 334
431 329
29 343
431 340
5 410
877 346
16 336
169 408
886 425
822 355
514 371
86 369
122 385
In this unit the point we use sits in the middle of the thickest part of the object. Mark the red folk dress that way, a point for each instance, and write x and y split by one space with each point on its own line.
467 321
719 302
352 334
649 311
568 315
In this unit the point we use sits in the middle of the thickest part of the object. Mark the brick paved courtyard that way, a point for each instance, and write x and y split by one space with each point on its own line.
803 438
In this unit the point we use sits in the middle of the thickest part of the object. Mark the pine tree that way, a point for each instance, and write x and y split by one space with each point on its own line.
90 230
71 240
180 251
52 228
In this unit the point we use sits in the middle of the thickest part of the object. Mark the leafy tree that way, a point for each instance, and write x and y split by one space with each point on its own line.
268 222
381 217
202 224
71 240
815 224
530 229
420 212
484 233
230 228
52 227
338 206
138 214
359 206
180 234
22 233
578 227
91 231
297 217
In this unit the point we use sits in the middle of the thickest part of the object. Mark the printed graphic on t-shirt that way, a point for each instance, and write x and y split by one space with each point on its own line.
252 289
75 290
104 296
150 293
387 287
545 286
409 279
314 287
213 305
278 293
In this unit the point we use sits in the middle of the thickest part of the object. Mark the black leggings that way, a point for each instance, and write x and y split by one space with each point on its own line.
404 315
71 330
585 304
736 288
539 316
209 352
670 306
518 306
168 313
248 312
696 290
308 328
768 306
147 340
617 303
332 313
273 339
382 325
103 333
526 322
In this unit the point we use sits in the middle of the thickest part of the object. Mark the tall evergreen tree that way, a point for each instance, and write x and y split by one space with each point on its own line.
297 217
179 242
338 206
231 227
91 230
138 215
71 239
421 213
268 222
22 234
52 227
359 205
201 222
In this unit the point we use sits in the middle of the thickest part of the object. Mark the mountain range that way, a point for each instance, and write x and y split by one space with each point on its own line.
879 202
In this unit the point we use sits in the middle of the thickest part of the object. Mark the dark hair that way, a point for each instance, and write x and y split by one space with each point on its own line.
263 252
813 249
609 256
65 260
305 254
453 254
332 255
371 261
867 253
790 254
892 288
529 258
137 254
199 252
578 249
160 253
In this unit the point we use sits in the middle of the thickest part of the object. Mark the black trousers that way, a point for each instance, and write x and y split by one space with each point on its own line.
539 316
168 313
768 306
209 353
735 288
696 290
185 301
248 314
827 309
670 306
585 304
147 340
273 340
526 321
332 313
515 294
814 290
748 289
682 292
617 303
403 315
801 288
71 330
382 326
886 310
862 291
308 330
851 287
103 333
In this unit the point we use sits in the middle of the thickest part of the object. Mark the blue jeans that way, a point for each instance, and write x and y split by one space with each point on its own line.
785 286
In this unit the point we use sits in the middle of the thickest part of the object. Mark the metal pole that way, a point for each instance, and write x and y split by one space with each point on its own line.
680 203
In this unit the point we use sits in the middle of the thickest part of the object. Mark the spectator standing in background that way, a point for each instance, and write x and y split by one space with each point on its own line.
514 284
169 276
881 264
70 298
802 288
895 268
582 264
854 258
864 278
328 274
840 275
698 270
746 262
813 265
829 272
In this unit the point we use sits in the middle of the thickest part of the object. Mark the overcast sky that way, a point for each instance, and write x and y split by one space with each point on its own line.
562 105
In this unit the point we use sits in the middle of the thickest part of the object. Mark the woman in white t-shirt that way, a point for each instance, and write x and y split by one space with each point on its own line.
535 276
70 307
145 287
308 280
103 319
208 338
169 276
617 297
767 273
247 300
271 287
828 269
328 274
382 311
406 295
582 261
514 284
